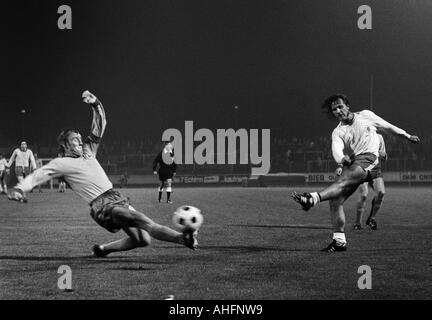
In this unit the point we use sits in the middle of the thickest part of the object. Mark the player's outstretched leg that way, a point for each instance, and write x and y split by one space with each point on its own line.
137 238
134 219
348 181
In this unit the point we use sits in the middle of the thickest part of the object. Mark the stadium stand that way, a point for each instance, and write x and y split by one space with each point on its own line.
288 155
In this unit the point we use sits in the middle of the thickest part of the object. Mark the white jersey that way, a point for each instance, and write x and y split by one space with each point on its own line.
84 174
360 136
382 149
22 158
3 164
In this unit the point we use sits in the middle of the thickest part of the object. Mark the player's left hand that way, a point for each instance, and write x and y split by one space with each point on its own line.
16 195
88 97
414 139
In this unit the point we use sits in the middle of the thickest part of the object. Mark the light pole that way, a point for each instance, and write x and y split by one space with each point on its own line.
371 92
236 108
23 112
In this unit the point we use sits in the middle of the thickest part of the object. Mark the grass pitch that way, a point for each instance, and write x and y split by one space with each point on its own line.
255 244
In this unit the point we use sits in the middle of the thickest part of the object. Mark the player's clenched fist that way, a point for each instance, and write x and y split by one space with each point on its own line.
16 195
88 97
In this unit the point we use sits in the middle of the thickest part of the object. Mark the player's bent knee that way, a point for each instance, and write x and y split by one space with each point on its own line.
144 240
380 194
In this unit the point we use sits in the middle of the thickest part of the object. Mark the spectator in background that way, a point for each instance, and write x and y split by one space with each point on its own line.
38 165
4 172
124 180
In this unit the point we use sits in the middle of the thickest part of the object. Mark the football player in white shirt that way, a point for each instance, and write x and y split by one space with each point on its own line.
356 135
4 171
79 167
38 165
24 159
377 186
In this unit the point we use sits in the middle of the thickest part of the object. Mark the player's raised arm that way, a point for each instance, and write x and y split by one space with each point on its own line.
33 165
12 158
380 123
99 121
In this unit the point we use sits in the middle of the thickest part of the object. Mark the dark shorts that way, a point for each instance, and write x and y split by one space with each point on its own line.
22 171
102 208
368 162
165 174
377 172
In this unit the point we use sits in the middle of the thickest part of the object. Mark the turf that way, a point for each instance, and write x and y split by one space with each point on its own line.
255 244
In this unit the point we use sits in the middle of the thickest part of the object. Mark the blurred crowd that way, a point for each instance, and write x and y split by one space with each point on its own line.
314 154
288 154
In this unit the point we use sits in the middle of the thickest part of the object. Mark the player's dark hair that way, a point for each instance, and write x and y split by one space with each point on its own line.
327 104
62 140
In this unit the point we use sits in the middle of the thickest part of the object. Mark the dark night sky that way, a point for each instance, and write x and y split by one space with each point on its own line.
155 64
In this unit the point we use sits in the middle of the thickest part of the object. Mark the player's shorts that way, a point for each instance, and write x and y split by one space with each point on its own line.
165 174
376 172
22 171
102 207
368 162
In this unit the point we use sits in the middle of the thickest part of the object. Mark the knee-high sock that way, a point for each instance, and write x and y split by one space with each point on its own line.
376 205
361 206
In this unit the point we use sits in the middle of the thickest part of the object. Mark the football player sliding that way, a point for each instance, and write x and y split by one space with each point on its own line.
79 167
356 132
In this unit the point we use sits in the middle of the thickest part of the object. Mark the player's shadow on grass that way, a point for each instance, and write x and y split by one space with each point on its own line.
77 259
134 269
251 249
284 226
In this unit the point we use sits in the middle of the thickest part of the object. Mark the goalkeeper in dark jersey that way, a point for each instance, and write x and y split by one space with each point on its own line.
165 166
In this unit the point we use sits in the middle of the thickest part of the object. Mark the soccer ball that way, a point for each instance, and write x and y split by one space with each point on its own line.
188 218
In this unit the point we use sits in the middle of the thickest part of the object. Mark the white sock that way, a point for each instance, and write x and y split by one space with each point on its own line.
339 237
315 198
